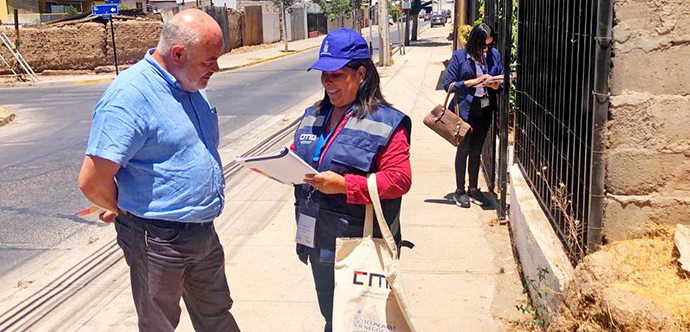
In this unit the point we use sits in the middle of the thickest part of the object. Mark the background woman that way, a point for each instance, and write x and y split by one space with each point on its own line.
351 132
469 68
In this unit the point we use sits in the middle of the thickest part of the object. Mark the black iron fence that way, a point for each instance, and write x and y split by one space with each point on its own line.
498 14
555 111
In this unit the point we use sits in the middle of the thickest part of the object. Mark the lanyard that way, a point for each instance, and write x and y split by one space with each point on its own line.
323 138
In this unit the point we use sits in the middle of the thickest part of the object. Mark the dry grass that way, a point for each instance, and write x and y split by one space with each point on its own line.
654 274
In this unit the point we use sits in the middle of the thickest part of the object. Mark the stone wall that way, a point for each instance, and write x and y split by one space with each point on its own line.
648 139
132 39
80 46
235 26
83 46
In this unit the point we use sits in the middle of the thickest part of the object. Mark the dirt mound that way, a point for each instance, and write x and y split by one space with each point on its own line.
633 285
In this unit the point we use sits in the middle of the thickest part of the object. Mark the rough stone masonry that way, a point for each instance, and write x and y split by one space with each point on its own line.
648 139
82 46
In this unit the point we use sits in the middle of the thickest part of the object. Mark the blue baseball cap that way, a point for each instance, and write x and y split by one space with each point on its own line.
338 48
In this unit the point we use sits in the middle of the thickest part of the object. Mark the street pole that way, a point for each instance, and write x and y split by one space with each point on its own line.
112 31
282 7
401 41
407 27
16 29
384 35
371 29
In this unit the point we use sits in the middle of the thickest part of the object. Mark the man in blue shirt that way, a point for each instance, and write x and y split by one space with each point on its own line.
152 162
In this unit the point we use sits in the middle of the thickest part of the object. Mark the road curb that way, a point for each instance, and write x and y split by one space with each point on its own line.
5 116
110 79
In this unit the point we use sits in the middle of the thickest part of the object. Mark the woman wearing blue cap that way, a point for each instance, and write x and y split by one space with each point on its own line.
353 131
467 70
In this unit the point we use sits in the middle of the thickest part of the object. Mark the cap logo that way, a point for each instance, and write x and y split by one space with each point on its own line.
325 48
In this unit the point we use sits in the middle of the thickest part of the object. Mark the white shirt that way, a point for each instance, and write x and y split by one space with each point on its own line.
480 92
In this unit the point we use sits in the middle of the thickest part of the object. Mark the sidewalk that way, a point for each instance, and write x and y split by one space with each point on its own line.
461 276
228 61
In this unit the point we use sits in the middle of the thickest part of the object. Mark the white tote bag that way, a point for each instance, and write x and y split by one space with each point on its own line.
368 291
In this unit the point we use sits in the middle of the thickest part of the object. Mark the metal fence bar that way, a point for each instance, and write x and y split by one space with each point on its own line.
555 111
495 149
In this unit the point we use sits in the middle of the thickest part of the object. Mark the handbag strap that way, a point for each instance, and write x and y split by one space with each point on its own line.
383 225
450 90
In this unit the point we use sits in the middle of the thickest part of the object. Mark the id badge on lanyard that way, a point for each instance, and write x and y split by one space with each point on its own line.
306 224
484 101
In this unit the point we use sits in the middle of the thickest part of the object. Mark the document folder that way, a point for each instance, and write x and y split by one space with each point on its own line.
283 166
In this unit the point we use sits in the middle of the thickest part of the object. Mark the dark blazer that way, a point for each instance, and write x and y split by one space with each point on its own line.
462 68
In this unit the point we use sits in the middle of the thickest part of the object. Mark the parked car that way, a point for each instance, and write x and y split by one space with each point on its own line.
437 19
446 13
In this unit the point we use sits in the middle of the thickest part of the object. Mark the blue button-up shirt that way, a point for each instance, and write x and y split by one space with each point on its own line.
166 142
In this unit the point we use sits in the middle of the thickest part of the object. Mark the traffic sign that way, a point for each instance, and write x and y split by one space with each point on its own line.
113 2
104 10
406 4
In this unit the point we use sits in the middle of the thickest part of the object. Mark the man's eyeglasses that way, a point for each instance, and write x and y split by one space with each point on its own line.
488 46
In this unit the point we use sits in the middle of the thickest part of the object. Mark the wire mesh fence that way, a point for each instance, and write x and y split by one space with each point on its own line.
554 111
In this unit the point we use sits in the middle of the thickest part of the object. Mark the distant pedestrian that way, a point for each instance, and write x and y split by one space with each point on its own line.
152 162
469 67
353 131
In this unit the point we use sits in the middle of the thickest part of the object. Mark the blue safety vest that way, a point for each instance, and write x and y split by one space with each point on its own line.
354 150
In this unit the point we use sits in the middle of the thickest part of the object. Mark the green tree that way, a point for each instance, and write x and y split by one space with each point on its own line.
337 9
71 11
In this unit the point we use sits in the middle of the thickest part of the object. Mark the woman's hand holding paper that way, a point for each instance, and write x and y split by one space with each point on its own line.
327 182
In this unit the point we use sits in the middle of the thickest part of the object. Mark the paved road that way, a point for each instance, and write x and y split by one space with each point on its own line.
41 152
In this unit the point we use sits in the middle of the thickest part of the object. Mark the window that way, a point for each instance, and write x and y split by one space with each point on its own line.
140 6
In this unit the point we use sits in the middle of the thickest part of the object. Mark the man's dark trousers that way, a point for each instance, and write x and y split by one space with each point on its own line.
169 261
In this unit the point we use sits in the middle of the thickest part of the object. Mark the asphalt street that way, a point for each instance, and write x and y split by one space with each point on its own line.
42 150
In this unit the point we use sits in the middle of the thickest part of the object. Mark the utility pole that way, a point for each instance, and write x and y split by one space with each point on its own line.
407 27
384 35
282 7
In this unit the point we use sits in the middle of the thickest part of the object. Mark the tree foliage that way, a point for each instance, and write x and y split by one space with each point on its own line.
286 3
336 9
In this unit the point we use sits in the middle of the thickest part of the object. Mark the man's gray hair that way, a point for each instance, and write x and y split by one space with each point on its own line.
176 32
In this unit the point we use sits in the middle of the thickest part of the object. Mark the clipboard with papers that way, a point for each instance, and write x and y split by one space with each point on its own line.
283 166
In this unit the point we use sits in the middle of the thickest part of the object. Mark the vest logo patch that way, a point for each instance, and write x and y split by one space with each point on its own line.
307 138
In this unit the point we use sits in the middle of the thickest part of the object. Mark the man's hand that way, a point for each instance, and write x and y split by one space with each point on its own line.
108 216
327 182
